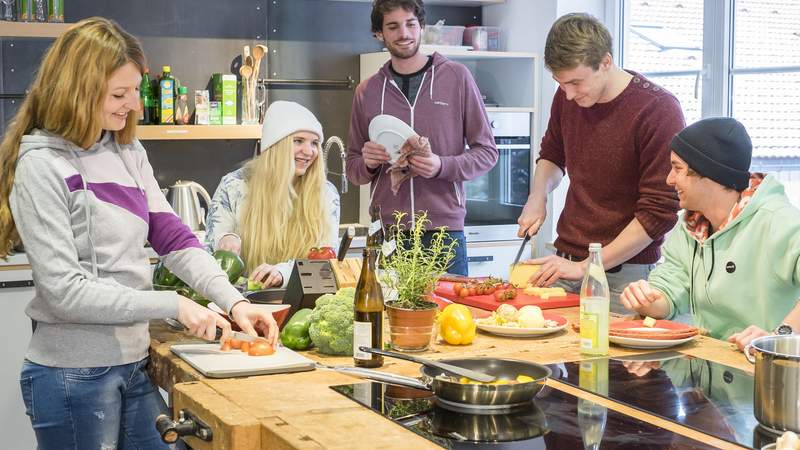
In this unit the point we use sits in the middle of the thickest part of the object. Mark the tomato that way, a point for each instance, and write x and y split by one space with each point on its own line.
226 346
245 347
491 289
499 295
321 253
260 348
235 344
472 291
511 294
464 292
480 290
457 287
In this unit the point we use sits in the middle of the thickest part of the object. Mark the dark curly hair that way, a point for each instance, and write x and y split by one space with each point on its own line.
383 7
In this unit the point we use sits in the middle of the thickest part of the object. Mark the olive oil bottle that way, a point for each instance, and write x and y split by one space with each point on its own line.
368 324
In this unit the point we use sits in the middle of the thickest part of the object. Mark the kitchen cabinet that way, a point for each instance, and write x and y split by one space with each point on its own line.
16 290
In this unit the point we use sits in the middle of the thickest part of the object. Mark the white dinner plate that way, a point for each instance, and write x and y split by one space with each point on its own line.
390 132
519 332
647 343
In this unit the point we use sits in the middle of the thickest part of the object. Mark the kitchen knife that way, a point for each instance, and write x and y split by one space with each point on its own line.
344 245
239 335
521 249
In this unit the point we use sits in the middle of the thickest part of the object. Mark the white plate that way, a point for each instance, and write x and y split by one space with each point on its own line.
647 343
390 132
518 332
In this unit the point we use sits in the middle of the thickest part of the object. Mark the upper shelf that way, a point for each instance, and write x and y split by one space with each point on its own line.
32 29
186 132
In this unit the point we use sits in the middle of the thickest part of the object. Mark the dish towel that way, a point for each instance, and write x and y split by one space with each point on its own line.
400 171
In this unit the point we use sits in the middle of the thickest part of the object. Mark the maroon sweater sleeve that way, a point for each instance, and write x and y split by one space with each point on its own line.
552 148
657 202
357 171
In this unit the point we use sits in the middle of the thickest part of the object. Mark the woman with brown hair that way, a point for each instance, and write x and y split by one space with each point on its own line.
78 191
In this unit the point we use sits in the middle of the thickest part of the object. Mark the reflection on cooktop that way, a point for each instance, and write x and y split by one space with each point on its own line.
706 396
555 420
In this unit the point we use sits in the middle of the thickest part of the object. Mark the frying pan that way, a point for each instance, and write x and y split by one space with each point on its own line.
477 398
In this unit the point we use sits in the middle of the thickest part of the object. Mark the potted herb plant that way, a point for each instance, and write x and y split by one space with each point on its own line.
412 271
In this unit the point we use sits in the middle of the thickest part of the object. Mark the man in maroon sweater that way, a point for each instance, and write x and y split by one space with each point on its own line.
609 130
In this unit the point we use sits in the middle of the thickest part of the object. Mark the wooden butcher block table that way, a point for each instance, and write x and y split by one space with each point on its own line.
300 411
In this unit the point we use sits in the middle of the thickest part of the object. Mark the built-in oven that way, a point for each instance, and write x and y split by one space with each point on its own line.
495 200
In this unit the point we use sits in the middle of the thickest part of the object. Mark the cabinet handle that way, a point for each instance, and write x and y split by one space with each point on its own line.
480 258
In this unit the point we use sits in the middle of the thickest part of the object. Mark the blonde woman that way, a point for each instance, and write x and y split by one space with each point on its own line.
79 193
279 205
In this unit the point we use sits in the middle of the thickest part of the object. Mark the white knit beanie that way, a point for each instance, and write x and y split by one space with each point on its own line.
285 118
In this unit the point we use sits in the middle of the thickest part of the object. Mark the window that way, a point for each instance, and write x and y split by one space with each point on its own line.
749 68
663 40
765 93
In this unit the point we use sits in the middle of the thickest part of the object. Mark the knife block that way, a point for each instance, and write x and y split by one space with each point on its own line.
310 279
346 271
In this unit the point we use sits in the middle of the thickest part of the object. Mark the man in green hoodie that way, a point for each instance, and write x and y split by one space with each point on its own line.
733 262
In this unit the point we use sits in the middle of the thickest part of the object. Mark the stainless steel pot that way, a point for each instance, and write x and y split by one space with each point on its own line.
777 381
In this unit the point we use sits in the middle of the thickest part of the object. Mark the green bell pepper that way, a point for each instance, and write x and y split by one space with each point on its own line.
231 263
295 333
193 295
163 277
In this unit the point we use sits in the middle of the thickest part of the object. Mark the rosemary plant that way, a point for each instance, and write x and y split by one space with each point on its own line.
413 269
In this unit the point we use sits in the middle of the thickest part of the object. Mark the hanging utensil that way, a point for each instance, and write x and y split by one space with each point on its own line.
246 71
460 371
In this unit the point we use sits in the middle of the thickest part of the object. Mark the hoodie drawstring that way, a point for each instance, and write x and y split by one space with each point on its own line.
88 206
433 78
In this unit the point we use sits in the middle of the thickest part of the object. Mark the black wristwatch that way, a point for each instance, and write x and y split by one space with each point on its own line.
783 330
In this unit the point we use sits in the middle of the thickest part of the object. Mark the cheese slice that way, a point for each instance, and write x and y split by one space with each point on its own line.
521 273
649 322
545 292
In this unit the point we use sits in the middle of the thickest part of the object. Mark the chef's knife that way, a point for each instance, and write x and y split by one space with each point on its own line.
521 249
240 336
344 245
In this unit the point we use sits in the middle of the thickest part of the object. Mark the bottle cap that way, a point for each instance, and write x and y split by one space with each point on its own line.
595 246
182 90
166 69
146 70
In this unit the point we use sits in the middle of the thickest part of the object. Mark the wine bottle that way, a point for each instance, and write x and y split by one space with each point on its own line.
368 324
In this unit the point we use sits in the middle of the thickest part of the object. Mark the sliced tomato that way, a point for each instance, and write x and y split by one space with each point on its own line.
236 344
245 347
226 346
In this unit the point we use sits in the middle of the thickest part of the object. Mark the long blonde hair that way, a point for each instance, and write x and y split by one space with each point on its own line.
66 98
282 216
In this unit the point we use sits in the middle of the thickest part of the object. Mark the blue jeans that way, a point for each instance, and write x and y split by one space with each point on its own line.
459 264
92 408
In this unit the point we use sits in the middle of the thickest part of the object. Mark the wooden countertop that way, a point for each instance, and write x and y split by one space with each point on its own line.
299 410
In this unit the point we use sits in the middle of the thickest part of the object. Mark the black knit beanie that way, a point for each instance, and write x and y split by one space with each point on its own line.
718 148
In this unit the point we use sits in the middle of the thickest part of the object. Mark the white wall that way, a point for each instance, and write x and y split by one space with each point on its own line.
524 25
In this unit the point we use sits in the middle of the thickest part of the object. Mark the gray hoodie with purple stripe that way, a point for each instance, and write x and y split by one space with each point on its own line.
84 217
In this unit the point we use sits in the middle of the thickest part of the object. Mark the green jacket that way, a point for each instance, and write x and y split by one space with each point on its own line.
745 274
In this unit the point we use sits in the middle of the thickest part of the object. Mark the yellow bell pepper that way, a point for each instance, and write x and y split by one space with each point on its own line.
456 325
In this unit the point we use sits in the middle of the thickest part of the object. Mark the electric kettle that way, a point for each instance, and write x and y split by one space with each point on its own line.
184 196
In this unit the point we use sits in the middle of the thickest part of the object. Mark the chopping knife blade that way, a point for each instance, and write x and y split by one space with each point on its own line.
521 249
240 336
344 245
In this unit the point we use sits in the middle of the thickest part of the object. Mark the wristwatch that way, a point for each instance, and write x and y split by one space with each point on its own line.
783 330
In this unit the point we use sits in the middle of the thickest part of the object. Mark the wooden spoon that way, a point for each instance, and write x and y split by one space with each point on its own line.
258 52
246 71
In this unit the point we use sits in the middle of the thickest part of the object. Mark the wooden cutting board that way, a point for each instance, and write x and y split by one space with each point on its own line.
209 360
445 289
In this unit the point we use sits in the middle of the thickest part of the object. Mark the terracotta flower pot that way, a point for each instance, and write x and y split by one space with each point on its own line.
411 330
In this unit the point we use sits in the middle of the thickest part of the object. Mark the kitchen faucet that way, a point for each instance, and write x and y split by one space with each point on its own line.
342 152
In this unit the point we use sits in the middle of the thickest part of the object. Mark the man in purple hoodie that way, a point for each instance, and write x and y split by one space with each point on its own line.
438 98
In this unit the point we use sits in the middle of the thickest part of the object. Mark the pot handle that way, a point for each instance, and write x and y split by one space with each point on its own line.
460 371
750 358
380 376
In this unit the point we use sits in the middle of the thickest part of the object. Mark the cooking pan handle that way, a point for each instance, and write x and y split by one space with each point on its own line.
460 371
381 376
750 358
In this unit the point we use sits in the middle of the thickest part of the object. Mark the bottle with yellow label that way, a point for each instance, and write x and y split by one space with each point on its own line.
595 305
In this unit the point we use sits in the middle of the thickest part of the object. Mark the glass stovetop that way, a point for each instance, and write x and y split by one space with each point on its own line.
707 396
555 420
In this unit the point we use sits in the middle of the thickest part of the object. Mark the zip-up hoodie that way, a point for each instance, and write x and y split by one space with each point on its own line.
84 217
747 273
449 111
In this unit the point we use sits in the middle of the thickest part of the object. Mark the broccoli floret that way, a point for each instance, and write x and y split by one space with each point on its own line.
331 327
